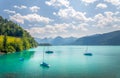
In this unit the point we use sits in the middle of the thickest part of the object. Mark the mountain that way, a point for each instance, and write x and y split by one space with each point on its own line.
56 41
111 38
14 38
44 40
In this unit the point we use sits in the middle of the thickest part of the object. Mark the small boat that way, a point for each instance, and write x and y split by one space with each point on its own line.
49 52
88 54
21 59
43 64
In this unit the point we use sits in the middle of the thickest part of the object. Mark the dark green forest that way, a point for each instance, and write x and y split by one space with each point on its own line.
14 38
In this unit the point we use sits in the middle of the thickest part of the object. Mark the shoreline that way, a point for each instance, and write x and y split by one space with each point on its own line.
1 53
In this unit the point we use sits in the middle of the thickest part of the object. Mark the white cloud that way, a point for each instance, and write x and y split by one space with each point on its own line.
114 2
101 5
89 1
17 18
35 25
34 8
58 3
29 17
70 13
116 26
36 18
79 22
20 7
107 19
76 28
81 27
9 11
63 30
117 13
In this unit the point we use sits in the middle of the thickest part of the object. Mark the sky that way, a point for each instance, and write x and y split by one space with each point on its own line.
65 18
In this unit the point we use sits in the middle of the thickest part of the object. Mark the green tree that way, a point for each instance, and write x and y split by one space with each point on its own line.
26 44
11 29
5 43
11 49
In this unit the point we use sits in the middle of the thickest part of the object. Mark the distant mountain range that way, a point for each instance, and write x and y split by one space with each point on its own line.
56 41
111 38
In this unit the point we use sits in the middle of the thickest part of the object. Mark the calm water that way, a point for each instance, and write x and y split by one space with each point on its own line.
66 62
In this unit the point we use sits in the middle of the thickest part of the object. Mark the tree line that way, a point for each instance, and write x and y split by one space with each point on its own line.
14 38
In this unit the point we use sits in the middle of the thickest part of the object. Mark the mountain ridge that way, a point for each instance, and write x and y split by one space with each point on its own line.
109 38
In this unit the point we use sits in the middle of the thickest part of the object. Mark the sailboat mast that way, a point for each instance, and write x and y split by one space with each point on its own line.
43 53
86 49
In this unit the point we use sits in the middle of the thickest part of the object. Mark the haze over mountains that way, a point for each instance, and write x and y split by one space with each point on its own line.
111 38
56 41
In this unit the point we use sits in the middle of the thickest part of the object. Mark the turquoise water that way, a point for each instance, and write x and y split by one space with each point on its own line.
65 62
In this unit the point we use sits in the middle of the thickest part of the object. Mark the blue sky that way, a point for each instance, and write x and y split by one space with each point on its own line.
51 18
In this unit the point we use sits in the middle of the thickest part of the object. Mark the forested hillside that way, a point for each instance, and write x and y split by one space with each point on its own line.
111 38
13 38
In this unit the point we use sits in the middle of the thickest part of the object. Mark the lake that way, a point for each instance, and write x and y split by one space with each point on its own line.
65 62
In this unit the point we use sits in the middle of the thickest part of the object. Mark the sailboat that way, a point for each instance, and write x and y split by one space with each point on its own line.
43 64
49 51
87 53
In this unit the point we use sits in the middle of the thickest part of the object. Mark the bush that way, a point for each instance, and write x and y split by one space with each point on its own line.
11 49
